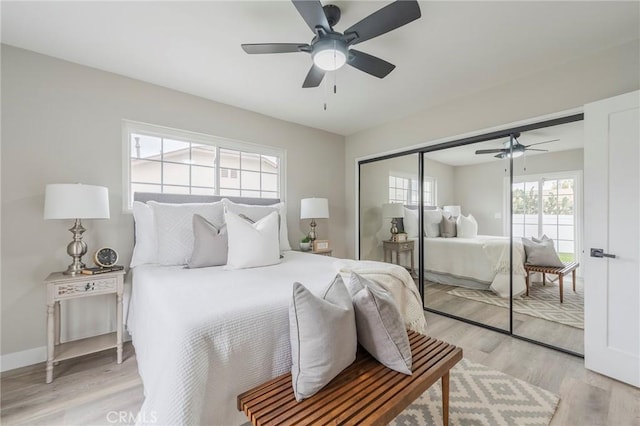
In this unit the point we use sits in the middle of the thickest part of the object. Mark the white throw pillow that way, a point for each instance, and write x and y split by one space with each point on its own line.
432 219
467 227
174 227
256 213
410 222
323 336
145 249
252 244
380 325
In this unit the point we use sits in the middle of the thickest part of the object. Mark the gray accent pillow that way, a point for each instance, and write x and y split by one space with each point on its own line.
448 228
210 244
379 324
323 336
541 253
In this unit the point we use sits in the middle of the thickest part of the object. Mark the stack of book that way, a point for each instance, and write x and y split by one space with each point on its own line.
101 270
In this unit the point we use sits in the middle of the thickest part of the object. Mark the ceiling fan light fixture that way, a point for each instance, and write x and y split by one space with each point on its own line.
329 56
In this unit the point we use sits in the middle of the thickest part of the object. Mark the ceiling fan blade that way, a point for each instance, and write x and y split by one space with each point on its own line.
312 13
533 149
540 143
369 64
273 47
314 77
387 19
489 151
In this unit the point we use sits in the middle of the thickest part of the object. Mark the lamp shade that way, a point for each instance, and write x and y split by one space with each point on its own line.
453 211
314 208
393 210
76 201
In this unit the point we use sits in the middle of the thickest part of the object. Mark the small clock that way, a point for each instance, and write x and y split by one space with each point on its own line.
105 257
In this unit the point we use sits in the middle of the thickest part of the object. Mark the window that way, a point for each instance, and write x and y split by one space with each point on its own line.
548 205
405 190
171 161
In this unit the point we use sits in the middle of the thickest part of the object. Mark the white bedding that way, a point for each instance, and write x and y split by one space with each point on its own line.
202 336
483 260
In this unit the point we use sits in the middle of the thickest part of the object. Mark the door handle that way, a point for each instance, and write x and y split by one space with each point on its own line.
596 252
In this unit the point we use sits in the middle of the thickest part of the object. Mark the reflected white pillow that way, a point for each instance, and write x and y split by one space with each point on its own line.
252 244
174 227
542 253
410 222
432 219
467 227
323 336
256 213
145 249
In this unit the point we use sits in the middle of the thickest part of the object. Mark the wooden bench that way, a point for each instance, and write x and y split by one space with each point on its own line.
365 393
559 271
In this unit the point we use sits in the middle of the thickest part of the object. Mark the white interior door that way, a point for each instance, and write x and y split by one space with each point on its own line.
612 223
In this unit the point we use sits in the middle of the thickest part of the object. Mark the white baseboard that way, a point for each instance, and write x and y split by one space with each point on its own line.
23 358
32 356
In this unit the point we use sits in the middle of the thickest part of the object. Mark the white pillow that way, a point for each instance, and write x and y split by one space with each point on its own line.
174 227
467 227
145 249
256 213
410 222
432 219
252 244
322 331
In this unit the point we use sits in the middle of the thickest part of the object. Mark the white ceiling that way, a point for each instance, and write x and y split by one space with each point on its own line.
456 48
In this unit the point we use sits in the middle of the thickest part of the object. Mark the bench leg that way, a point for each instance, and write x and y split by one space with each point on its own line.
526 281
560 280
544 279
573 278
445 399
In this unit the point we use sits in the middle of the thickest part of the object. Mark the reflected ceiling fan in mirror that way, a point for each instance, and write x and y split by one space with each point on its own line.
330 49
513 146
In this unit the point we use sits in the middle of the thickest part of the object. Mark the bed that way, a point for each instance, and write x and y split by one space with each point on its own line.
202 336
479 263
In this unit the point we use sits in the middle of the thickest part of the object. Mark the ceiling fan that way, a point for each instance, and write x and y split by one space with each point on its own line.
513 146
330 49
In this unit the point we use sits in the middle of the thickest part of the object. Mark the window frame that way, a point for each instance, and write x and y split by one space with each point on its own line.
576 175
130 127
411 185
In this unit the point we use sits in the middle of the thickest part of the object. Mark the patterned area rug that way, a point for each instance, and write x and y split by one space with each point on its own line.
481 396
542 302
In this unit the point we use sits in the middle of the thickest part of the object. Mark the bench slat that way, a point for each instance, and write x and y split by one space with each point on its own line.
366 390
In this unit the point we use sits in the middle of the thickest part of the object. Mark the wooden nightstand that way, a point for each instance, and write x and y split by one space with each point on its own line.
327 252
64 287
398 247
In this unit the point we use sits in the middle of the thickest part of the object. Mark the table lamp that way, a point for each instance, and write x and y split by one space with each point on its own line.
76 201
314 208
393 211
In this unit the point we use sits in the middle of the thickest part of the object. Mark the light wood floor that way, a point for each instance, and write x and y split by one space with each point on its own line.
553 333
87 390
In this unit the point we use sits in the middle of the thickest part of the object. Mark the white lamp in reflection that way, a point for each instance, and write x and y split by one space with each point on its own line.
452 211
314 208
393 211
76 201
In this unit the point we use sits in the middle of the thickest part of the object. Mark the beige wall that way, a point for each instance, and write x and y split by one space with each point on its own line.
62 122
559 88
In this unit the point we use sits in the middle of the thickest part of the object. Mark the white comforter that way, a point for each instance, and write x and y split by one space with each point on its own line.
202 336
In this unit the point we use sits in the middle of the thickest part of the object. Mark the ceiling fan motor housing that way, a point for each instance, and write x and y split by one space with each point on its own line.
332 12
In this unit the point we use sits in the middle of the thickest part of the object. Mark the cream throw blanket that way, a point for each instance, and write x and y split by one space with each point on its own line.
397 281
498 253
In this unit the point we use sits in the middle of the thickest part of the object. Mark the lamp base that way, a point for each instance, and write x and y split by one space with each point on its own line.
76 249
312 234
394 227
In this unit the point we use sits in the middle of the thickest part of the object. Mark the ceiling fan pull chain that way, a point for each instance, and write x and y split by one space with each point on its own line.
335 70
324 91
